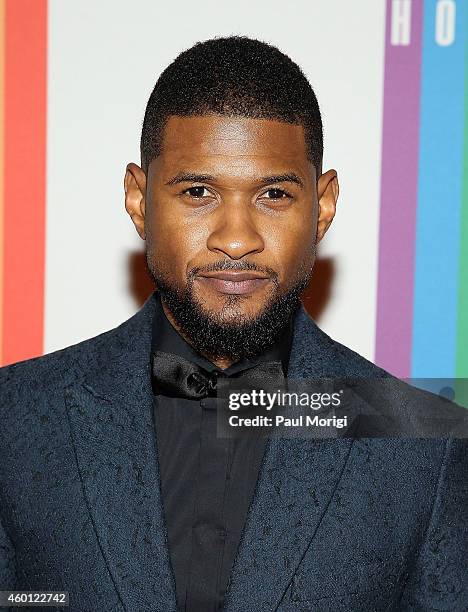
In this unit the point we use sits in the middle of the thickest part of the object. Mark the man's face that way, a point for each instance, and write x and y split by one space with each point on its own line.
229 211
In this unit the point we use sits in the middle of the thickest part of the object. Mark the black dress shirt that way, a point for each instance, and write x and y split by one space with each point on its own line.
207 482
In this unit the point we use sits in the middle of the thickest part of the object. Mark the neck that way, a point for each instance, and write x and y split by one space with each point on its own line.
222 362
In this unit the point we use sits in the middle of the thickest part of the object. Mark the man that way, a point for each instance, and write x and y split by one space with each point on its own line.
115 486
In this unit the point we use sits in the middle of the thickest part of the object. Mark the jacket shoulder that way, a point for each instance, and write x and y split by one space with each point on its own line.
357 365
317 350
75 362
30 377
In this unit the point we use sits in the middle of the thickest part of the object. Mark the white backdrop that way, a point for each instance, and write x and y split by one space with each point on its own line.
103 60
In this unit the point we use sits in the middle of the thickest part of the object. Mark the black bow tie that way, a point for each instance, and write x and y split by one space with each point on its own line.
175 376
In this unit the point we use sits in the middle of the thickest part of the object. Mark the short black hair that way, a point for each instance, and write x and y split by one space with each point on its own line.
233 76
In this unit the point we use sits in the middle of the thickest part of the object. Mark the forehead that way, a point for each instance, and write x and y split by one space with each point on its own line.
214 139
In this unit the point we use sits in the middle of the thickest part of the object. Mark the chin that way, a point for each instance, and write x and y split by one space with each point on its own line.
232 308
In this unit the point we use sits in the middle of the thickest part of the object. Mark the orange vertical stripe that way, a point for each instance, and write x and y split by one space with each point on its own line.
2 93
25 176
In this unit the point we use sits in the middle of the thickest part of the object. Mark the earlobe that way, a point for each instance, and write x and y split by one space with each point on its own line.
135 194
328 191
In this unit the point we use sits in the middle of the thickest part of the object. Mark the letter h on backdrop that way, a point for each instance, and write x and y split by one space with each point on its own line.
401 22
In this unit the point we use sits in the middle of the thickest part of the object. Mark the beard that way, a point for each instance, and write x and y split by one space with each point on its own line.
229 333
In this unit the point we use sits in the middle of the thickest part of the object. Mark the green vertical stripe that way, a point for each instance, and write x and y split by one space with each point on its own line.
462 327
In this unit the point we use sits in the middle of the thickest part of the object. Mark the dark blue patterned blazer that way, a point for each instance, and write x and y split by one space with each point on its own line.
335 525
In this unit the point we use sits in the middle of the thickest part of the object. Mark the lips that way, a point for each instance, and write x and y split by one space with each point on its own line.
234 283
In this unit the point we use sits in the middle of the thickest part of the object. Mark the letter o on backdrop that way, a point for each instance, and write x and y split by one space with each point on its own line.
445 25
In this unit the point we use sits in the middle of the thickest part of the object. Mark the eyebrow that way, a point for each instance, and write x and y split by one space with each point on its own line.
289 177
192 177
189 177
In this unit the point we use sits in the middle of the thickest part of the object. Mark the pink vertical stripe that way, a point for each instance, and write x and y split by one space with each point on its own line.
24 178
398 197
2 97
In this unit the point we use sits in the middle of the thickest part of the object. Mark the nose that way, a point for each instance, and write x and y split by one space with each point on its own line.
234 233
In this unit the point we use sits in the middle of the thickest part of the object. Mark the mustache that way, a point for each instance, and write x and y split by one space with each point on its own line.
238 266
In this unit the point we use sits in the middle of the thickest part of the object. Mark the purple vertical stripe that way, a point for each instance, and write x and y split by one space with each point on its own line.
398 200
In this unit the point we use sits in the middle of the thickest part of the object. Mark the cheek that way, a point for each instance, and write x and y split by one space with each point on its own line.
291 241
173 239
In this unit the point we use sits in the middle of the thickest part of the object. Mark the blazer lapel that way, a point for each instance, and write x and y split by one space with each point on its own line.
295 486
111 424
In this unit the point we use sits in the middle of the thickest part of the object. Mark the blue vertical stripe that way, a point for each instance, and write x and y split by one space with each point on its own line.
439 197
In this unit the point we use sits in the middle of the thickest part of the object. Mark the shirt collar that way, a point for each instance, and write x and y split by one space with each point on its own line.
167 339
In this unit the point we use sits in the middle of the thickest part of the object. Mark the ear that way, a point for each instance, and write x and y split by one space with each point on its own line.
135 194
328 190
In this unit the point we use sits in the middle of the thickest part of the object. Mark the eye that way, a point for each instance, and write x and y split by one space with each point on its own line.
275 194
197 192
